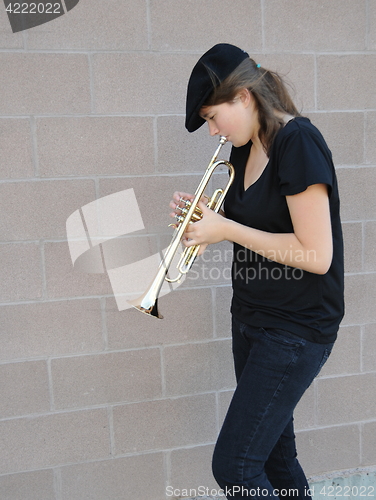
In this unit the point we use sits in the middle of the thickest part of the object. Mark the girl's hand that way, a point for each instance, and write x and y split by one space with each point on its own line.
210 229
176 203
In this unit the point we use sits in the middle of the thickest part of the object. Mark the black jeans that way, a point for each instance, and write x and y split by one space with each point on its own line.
255 455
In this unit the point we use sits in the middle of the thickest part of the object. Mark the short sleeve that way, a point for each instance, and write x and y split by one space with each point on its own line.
303 159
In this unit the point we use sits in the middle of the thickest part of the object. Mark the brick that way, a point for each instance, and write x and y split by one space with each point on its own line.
141 83
21 272
187 152
298 71
104 146
186 421
191 471
133 245
315 25
368 434
169 20
16 149
137 477
344 133
369 348
372 26
355 95
83 381
51 440
222 304
346 399
9 40
370 132
43 83
353 244
360 299
369 246
356 184
142 331
50 329
24 388
39 221
125 28
199 367
38 485
63 281
345 356
329 449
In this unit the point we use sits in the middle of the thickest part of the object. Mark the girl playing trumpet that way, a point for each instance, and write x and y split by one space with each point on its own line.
281 211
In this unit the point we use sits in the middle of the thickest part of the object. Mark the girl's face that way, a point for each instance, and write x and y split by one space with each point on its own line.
236 120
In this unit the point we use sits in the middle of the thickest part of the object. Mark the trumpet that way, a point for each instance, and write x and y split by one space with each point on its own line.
190 213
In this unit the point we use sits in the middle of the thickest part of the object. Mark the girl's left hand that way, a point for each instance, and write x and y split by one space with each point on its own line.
210 229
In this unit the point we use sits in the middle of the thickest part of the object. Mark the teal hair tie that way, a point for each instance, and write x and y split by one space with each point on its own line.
258 65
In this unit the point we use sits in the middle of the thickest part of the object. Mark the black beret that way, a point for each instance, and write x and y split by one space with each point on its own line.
221 59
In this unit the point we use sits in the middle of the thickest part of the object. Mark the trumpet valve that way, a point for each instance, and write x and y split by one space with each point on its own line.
196 216
187 203
183 210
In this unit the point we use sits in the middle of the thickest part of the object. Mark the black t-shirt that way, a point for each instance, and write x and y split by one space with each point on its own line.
266 293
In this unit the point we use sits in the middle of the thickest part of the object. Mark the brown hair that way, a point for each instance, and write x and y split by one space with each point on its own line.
270 93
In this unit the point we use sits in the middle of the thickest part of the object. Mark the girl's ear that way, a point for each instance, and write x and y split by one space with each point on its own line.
245 96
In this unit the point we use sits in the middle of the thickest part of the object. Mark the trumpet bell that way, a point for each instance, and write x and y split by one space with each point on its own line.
146 305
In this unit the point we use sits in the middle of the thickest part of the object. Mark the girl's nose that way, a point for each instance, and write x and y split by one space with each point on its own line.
213 130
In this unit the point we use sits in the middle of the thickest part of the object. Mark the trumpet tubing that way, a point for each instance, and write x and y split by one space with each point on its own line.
189 255
190 213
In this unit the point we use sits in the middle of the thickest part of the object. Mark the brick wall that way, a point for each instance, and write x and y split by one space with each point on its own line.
100 404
